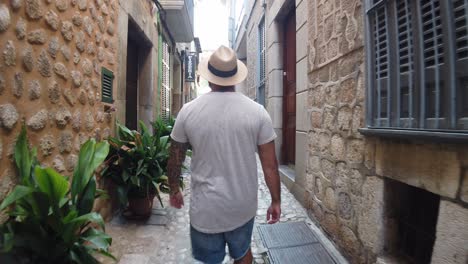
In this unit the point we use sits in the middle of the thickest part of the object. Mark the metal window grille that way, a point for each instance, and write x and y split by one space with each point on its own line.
417 64
107 79
165 82
261 62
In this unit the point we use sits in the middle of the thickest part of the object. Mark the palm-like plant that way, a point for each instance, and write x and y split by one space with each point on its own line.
137 163
49 220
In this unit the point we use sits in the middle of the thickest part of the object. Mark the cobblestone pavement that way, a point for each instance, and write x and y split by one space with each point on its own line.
157 242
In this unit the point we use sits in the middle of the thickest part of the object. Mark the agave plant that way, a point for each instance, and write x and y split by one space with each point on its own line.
137 163
50 220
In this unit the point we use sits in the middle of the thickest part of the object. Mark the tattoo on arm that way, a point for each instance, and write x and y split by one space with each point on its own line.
177 153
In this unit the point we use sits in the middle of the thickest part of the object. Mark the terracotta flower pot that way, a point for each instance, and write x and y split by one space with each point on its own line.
141 206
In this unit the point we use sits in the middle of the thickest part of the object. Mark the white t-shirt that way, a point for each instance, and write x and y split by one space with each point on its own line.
224 130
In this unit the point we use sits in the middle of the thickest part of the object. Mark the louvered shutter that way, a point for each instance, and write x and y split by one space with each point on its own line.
406 59
418 63
261 62
460 14
166 90
381 62
107 79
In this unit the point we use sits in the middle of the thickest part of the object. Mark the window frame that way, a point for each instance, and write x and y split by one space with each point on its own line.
418 123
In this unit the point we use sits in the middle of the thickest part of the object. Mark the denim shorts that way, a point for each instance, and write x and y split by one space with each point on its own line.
211 248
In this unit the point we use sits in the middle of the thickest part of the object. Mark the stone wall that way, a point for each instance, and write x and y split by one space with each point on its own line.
336 165
50 78
256 14
345 184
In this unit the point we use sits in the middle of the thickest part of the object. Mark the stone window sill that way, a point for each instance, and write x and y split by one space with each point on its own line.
420 135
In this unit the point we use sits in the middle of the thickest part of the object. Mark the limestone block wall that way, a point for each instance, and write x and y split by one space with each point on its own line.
345 184
50 78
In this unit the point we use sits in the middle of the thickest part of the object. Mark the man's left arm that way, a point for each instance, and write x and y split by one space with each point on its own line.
177 152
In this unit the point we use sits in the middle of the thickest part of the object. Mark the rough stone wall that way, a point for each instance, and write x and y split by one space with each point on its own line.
345 185
50 79
336 168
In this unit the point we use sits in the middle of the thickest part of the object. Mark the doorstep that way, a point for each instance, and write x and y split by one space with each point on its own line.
287 176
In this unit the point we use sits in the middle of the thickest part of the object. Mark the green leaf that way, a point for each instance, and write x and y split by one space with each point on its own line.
51 183
18 193
125 133
99 239
23 157
86 199
125 175
122 194
91 217
84 160
103 194
144 129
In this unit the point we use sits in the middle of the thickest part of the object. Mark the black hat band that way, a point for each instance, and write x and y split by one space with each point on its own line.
223 74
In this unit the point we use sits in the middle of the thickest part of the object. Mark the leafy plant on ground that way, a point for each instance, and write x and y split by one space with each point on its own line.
137 163
51 221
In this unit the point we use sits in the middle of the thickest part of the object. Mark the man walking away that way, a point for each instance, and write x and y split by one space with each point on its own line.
225 129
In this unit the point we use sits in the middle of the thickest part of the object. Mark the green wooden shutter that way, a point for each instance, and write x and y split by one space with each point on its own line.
107 79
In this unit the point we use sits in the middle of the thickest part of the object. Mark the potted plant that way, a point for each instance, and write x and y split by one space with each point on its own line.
51 220
137 164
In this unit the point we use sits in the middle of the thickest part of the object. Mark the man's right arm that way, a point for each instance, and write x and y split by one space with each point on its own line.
272 179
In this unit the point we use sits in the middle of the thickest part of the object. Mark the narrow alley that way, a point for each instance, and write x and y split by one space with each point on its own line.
358 110
164 238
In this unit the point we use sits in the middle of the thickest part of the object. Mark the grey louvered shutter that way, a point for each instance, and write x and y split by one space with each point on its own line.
406 61
460 14
381 62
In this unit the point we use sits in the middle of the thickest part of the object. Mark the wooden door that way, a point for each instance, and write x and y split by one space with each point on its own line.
289 90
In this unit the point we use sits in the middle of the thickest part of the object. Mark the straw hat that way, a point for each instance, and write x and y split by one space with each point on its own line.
223 68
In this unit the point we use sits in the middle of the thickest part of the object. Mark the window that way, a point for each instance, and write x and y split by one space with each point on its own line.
261 63
417 60
107 78
165 82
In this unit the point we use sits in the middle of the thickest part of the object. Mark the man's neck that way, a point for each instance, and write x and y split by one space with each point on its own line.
222 90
